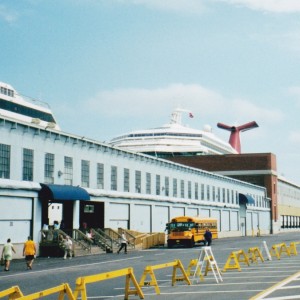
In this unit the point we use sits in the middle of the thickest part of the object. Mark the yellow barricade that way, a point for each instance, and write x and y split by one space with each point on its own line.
234 259
189 272
12 293
63 289
255 253
149 270
278 249
208 266
82 281
194 263
293 248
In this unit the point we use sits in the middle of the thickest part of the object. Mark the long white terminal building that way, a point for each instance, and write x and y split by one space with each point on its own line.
88 181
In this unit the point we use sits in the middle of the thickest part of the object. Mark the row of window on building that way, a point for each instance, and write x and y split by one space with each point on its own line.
163 185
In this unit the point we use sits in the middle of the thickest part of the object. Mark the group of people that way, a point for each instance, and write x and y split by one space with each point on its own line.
29 251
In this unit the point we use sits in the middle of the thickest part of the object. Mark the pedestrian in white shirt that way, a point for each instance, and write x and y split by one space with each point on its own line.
68 247
123 243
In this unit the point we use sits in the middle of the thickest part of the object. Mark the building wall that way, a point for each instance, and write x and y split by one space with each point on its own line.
198 192
259 169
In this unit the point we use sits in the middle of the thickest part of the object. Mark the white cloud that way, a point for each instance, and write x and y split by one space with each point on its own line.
139 101
275 6
246 109
8 15
203 102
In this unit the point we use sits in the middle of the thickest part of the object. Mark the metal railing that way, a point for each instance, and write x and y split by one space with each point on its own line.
101 239
81 239
116 236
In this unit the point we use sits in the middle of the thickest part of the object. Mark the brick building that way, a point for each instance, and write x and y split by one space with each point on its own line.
256 168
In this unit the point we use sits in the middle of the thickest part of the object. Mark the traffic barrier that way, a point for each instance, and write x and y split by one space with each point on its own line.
12 293
255 253
190 272
81 282
293 248
209 266
234 259
278 249
149 270
63 289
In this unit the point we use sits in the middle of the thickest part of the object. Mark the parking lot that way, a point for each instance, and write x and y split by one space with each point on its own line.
244 284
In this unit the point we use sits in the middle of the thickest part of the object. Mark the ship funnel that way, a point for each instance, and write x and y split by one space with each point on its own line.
234 139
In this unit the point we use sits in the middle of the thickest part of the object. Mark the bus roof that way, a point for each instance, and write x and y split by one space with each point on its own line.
192 219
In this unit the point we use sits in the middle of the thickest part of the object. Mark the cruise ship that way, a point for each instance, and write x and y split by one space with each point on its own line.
174 139
25 109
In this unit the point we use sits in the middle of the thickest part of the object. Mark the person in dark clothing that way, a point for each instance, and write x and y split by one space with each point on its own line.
208 237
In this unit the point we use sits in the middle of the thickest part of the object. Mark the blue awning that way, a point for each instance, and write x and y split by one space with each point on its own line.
62 192
246 199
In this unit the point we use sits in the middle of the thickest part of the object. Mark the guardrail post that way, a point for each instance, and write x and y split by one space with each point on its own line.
12 293
149 270
255 252
62 290
82 281
189 272
234 259
293 248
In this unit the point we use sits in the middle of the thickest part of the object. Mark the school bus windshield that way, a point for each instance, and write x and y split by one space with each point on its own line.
182 226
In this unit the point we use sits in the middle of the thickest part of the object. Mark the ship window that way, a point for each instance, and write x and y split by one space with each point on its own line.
26 111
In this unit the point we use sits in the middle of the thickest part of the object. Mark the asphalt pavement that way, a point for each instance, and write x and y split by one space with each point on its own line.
240 285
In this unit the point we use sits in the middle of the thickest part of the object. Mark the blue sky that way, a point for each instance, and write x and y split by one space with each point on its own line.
107 67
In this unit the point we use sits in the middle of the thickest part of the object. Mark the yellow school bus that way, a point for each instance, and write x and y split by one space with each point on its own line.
187 231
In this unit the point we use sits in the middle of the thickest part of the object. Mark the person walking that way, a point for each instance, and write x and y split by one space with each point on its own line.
123 243
208 237
68 247
7 251
29 251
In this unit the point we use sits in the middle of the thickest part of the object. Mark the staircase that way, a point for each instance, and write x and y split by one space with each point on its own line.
102 241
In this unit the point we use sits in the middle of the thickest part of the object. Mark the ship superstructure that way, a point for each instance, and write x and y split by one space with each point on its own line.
22 108
174 139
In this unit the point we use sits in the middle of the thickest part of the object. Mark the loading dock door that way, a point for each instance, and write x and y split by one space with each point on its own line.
118 216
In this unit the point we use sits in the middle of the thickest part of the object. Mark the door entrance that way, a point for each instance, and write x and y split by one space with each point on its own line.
60 211
91 214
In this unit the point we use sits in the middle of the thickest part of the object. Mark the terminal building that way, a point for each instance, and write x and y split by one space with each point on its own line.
48 174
